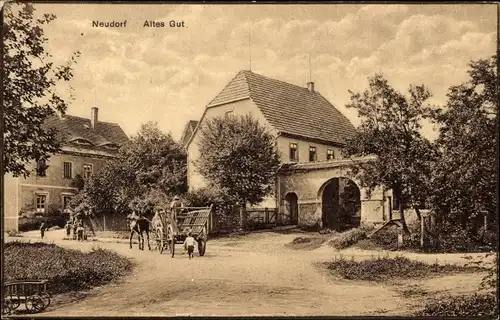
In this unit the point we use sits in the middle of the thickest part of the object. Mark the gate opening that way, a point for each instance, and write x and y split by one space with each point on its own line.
341 204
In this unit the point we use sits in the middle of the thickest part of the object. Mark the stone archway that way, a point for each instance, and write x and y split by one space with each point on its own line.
309 180
340 200
292 207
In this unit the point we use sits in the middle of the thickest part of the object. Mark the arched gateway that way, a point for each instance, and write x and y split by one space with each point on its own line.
291 207
340 204
328 197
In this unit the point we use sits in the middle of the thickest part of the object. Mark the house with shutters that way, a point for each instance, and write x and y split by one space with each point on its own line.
310 134
87 144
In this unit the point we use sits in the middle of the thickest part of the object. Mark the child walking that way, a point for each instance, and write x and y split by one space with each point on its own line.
189 245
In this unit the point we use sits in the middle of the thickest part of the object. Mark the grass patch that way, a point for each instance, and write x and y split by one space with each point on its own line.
67 270
388 268
347 239
410 291
469 306
306 243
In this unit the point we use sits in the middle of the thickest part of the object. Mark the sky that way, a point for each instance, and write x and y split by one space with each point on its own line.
136 74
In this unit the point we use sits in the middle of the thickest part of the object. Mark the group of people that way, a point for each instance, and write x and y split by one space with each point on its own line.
75 225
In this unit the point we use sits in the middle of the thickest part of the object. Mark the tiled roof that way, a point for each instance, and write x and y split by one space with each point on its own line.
188 131
289 108
72 128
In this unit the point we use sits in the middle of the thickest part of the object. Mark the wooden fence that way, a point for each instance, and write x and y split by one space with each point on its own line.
259 218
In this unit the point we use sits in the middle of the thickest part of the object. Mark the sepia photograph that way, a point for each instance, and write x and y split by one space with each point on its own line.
249 159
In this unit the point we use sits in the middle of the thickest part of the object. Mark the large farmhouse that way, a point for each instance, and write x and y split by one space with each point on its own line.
310 133
87 144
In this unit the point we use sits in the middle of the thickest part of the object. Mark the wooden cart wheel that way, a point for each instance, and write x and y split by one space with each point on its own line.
160 244
34 303
171 239
202 242
46 300
14 303
7 307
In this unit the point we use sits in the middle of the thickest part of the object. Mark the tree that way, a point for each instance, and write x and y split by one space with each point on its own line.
29 80
107 191
78 182
239 155
150 168
157 160
465 179
391 130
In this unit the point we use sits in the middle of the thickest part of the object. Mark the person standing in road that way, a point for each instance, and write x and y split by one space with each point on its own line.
80 231
42 230
176 207
68 228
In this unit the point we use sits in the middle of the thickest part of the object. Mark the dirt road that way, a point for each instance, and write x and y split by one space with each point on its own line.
254 275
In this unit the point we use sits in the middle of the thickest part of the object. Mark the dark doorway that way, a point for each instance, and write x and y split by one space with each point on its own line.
292 208
330 204
341 204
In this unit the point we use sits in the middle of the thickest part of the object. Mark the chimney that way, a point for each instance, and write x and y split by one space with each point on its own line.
310 86
93 117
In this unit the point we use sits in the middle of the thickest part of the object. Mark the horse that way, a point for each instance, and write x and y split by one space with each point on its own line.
138 225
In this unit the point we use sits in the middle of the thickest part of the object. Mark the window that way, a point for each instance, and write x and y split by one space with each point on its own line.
395 203
87 170
41 168
67 167
312 154
41 202
330 155
66 201
294 156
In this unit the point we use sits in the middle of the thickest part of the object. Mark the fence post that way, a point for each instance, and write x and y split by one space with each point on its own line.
266 216
104 222
400 238
241 218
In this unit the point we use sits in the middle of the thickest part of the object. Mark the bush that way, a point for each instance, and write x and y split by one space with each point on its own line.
306 243
381 269
66 270
346 239
13 233
225 208
386 239
33 223
490 239
451 237
470 306
447 238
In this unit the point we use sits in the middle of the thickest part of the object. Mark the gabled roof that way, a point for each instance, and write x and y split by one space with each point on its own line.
188 131
72 128
290 109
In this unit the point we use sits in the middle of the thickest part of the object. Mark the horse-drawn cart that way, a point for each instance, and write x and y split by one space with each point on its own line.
33 293
167 232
